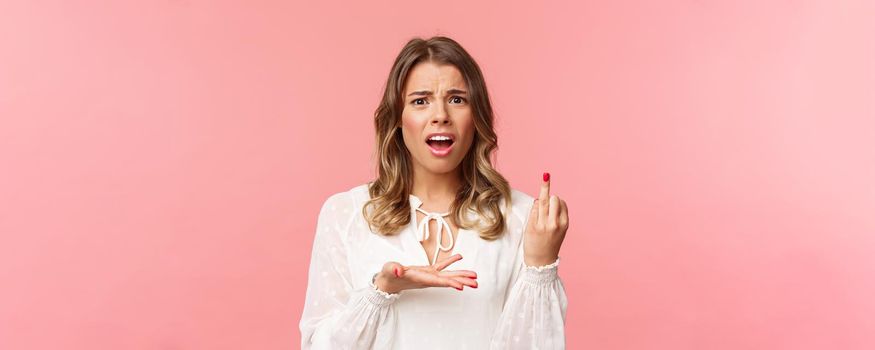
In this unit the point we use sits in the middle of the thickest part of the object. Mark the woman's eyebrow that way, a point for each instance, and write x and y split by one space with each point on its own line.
420 93
452 91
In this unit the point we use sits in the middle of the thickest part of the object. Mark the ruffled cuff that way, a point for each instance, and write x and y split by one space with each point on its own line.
541 274
379 297
552 265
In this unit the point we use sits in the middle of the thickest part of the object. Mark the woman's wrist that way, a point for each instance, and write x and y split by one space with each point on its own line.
382 282
540 261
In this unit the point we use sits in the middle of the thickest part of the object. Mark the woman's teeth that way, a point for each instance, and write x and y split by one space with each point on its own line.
440 144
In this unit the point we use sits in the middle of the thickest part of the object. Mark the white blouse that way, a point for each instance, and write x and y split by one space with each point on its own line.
514 307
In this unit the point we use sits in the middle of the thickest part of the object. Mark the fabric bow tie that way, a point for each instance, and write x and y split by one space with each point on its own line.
422 232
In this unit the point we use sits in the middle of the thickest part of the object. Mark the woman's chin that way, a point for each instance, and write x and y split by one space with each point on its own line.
442 166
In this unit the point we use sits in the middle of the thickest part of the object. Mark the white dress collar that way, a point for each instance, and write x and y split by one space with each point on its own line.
422 231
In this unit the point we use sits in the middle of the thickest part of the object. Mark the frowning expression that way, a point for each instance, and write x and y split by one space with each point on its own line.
437 121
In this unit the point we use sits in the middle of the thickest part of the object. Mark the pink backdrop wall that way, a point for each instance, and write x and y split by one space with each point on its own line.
162 163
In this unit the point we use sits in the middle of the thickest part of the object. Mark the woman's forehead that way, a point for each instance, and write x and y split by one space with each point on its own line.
435 78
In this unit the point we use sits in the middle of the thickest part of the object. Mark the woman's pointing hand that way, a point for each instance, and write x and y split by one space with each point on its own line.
547 224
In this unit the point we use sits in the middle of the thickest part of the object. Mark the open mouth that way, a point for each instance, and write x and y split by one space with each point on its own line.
440 144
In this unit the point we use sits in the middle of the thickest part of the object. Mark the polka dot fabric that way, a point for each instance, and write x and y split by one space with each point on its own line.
515 306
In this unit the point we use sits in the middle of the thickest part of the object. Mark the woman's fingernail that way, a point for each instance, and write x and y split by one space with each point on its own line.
546 177
473 286
458 288
396 273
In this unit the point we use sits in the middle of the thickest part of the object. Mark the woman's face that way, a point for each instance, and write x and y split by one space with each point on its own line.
436 104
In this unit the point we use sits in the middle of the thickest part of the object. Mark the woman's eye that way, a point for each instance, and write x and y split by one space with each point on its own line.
457 97
418 99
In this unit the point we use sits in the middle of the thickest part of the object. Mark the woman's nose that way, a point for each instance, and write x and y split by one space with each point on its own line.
440 117
443 120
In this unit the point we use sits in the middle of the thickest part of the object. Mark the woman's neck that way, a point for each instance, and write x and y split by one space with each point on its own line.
436 189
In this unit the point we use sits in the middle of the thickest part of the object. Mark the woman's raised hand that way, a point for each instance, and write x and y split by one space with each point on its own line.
395 277
545 231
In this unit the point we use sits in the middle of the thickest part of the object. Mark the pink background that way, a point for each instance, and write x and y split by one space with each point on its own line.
162 164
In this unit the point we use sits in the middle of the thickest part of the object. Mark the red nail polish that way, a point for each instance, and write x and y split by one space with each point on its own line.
396 273
458 288
473 286
546 177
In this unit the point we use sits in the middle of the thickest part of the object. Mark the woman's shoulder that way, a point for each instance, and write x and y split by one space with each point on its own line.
521 204
347 198
520 198
521 201
340 208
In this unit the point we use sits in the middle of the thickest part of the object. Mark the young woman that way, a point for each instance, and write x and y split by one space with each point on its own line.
392 258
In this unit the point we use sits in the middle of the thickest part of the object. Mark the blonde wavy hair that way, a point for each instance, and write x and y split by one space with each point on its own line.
483 188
